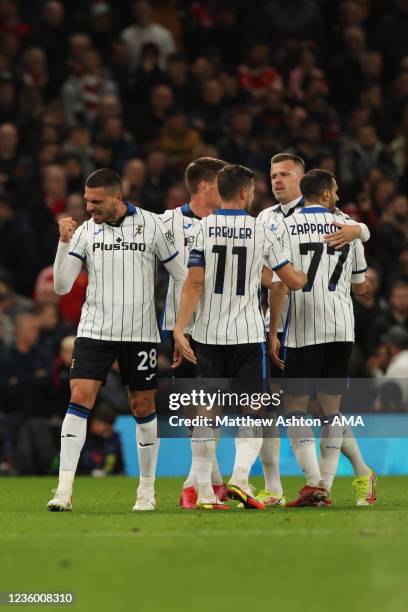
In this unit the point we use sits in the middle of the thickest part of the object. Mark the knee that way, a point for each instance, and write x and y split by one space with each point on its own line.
82 396
141 406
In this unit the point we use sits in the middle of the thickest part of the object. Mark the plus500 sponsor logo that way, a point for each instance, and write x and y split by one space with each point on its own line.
121 246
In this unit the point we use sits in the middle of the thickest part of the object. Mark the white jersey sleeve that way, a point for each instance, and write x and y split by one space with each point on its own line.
182 227
276 254
78 244
163 241
359 265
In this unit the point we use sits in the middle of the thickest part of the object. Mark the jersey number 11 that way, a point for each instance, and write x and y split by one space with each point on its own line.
241 252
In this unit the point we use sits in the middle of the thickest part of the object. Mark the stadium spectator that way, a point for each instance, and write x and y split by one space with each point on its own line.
102 451
179 140
17 238
395 314
134 175
146 126
81 94
257 76
392 232
143 31
360 156
60 377
11 302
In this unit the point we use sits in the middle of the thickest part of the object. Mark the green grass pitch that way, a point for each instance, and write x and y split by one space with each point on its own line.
338 558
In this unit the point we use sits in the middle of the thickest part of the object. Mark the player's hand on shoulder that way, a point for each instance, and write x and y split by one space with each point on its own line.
345 235
67 227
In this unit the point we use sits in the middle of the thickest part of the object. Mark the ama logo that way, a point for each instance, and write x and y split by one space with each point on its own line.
119 245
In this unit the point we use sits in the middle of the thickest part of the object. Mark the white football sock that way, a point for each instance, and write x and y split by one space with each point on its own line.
247 446
73 435
202 448
351 450
304 448
191 480
147 444
270 456
331 437
216 478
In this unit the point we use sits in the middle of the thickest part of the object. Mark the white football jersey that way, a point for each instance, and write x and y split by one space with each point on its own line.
121 259
273 215
322 311
180 222
233 247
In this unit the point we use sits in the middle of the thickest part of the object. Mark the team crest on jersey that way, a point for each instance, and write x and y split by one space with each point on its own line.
169 237
274 226
138 229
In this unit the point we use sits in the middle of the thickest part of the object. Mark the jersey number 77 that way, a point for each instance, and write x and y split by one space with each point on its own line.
317 248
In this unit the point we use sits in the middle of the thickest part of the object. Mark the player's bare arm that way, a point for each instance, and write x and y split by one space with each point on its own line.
266 278
292 278
190 296
362 289
277 297
346 234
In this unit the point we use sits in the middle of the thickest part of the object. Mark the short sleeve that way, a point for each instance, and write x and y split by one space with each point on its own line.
276 253
359 266
163 241
196 247
78 244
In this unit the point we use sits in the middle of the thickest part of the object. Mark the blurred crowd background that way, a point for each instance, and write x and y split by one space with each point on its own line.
144 88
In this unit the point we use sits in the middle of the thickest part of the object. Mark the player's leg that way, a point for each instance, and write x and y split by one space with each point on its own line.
91 362
210 365
249 367
269 454
307 361
365 481
188 497
331 387
138 368
142 404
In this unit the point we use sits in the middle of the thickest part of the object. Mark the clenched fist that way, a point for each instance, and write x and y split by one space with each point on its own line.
67 227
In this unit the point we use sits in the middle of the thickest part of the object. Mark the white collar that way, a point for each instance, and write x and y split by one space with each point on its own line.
287 207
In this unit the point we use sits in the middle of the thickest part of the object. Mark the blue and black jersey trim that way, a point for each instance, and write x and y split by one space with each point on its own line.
76 255
281 264
170 258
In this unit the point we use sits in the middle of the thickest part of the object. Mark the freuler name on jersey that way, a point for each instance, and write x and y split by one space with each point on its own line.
230 232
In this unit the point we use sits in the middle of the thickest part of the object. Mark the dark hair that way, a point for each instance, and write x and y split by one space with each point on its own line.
202 169
231 179
315 182
105 177
281 157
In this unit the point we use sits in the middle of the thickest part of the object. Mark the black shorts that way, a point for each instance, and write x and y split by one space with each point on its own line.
93 359
246 363
309 364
